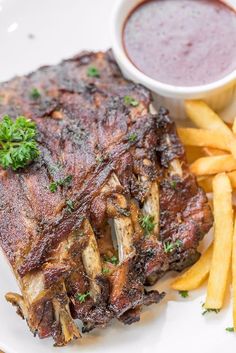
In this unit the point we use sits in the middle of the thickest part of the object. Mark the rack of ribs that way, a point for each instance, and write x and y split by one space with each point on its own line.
89 249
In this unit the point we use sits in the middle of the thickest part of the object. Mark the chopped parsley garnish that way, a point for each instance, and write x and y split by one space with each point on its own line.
229 329
70 206
53 186
171 246
82 297
128 100
105 270
99 159
62 182
93 72
209 310
184 293
17 142
133 137
173 184
35 94
147 223
113 260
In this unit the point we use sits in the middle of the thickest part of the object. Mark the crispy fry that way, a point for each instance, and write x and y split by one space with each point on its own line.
193 153
206 182
223 239
213 151
213 165
205 118
196 275
234 126
204 138
234 275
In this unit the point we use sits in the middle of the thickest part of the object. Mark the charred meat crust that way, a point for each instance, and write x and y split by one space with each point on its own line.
118 155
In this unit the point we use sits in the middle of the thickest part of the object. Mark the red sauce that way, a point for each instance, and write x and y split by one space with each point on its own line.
182 42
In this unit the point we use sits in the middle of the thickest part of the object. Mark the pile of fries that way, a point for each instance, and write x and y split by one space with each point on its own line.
211 150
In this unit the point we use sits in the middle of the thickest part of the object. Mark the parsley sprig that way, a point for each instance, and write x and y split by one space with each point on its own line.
133 137
147 223
92 71
113 259
229 329
35 94
184 293
70 206
170 246
128 100
61 182
81 297
18 146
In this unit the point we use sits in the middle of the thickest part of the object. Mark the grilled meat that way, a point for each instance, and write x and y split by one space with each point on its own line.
130 212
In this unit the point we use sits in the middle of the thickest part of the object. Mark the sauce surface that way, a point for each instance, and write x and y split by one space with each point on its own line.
182 42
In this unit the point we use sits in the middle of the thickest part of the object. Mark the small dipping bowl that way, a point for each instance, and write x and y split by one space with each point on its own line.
219 95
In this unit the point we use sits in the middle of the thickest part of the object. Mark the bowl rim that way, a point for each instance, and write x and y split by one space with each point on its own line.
159 87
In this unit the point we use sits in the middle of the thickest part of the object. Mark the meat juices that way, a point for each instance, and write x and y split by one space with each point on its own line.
182 42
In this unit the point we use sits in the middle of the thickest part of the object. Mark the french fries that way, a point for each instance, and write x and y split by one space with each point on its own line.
223 239
204 138
193 153
213 165
206 182
234 275
212 149
196 275
205 118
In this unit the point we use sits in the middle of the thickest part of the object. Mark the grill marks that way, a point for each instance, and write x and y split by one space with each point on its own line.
125 163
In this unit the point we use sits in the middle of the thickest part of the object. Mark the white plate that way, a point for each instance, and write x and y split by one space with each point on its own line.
61 28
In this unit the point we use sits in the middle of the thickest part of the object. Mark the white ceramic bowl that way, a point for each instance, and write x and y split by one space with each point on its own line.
218 94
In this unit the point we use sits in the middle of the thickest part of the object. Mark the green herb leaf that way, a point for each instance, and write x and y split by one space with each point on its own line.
17 142
133 137
81 297
184 293
171 246
99 159
229 329
147 223
35 94
62 182
128 100
93 72
53 187
173 184
105 271
113 260
70 206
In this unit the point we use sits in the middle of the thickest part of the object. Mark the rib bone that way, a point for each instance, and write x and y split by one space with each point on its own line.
91 260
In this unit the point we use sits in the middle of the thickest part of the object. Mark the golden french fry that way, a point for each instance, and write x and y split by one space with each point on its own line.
234 126
204 138
234 275
223 239
204 117
212 151
192 153
196 275
205 183
213 165
232 177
